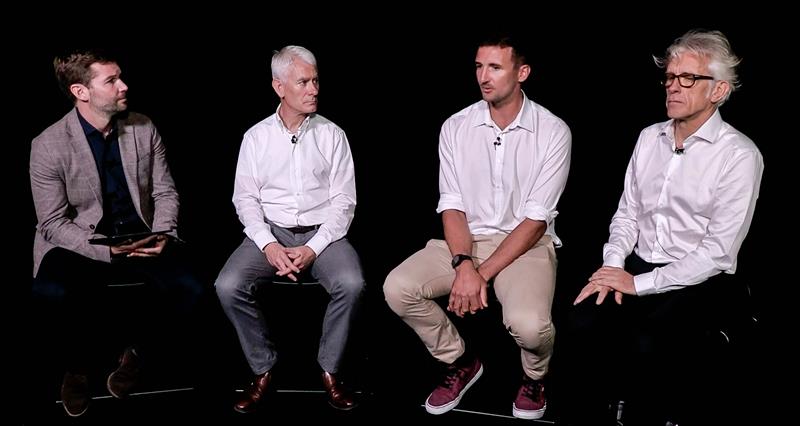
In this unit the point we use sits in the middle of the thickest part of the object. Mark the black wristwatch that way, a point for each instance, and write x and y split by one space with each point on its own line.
457 259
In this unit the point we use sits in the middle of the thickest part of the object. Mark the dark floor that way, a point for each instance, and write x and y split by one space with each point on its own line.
283 407
388 366
390 391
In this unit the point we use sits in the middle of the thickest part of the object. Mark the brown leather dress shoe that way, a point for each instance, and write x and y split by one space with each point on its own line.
124 379
253 394
75 394
339 397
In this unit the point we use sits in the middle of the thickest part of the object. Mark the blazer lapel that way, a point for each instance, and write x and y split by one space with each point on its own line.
83 154
130 161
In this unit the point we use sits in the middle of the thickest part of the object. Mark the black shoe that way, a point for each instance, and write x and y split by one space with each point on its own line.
124 379
75 394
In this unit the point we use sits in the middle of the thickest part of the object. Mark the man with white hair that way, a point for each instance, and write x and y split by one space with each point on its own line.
295 194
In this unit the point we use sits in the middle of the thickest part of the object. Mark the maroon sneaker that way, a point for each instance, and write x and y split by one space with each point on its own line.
459 377
530 403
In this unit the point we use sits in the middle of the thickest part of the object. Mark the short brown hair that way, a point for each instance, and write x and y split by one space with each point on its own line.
75 67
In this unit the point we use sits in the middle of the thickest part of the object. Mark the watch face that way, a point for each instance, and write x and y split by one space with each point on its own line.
457 259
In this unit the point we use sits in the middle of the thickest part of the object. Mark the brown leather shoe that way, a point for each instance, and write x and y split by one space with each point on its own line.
75 394
339 397
122 380
253 394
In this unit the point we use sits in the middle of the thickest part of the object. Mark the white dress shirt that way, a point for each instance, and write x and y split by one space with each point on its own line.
499 177
309 182
691 210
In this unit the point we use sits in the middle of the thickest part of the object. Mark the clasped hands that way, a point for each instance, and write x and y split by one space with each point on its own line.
151 246
289 260
468 294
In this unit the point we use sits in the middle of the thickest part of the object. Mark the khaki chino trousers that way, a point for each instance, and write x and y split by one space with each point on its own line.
524 289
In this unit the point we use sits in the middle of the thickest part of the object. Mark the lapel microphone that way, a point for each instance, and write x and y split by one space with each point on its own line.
294 140
497 142
678 151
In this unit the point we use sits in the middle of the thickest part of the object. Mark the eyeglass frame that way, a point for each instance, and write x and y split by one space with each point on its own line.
670 77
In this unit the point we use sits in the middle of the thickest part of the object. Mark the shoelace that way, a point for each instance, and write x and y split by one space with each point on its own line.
453 374
531 390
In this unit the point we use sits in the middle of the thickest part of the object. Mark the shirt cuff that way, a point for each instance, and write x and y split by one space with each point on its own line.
263 238
449 203
615 261
645 284
317 243
537 212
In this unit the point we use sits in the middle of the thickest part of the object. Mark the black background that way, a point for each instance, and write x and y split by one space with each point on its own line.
390 78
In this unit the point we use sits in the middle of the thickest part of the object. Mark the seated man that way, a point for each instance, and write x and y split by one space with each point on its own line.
295 195
96 172
689 195
503 166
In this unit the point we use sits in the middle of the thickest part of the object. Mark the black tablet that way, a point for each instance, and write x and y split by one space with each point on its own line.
116 240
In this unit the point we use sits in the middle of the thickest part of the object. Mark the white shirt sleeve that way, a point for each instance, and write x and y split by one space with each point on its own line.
342 196
247 198
544 195
449 189
732 213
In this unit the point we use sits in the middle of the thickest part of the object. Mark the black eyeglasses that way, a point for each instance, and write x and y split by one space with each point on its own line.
686 80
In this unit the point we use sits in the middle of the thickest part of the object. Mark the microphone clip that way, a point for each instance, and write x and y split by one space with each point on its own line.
497 142
294 139
679 151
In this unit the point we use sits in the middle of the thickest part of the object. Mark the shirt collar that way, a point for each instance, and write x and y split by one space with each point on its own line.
707 132
524 118
88 129
300 129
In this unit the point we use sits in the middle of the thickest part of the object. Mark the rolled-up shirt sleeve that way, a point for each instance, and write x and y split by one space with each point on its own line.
449 189
544 195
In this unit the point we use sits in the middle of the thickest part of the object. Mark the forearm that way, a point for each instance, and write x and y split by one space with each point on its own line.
519 241
456 232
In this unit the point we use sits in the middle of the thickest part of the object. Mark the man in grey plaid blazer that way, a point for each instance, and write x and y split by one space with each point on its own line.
102 171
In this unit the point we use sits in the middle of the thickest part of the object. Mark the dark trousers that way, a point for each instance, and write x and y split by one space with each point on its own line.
646 350
71 297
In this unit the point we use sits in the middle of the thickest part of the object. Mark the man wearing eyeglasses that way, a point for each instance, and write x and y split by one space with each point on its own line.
689 195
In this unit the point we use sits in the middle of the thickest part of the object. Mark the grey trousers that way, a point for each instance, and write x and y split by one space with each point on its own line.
525 290
337 268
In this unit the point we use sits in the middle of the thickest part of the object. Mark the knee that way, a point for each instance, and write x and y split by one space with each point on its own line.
349 285
227 286
531 331
646 346
398 290
47 292
192 289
